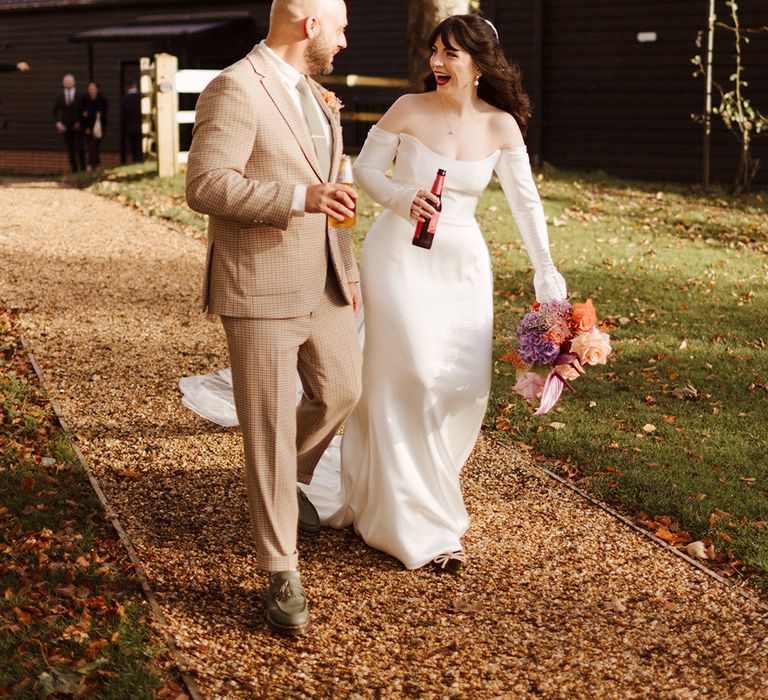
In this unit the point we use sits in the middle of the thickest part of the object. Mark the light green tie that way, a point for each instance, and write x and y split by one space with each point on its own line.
308 105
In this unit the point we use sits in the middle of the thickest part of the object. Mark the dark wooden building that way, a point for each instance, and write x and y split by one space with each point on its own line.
610 79
104 40
612 83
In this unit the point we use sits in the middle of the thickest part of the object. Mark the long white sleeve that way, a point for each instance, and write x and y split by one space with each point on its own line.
514 171
370 170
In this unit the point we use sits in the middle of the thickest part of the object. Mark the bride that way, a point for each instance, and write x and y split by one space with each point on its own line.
429 312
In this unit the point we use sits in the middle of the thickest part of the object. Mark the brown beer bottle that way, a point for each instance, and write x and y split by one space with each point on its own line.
345 176
425 230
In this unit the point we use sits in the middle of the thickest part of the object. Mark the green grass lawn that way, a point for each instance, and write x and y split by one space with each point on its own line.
73 621
680 276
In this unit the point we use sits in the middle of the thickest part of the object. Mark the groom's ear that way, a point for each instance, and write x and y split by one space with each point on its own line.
312 27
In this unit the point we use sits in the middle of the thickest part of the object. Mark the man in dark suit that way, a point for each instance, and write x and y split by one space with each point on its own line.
130 108
66 112
10 67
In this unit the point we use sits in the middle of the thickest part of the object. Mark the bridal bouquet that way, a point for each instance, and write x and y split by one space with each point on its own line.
560 338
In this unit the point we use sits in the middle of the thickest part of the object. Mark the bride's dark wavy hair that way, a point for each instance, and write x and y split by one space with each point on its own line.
501 82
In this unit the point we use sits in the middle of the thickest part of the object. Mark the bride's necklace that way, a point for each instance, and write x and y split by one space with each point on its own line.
453 129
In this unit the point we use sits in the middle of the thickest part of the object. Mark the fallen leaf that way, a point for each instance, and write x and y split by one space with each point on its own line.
465 604
671 537
649 428
697 549
686 392
556 426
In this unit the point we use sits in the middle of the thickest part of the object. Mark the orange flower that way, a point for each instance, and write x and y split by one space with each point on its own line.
583 316
514 359
335 104
558 334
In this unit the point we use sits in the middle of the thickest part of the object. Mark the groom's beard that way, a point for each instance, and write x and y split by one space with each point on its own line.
318 57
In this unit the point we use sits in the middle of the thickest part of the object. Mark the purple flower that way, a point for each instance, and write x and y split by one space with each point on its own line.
535 350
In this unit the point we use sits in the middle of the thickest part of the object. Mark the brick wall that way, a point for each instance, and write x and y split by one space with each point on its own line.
44 161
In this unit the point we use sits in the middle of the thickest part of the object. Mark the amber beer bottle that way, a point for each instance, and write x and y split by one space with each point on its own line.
425 230
345 177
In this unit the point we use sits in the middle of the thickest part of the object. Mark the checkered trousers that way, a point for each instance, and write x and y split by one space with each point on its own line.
283 442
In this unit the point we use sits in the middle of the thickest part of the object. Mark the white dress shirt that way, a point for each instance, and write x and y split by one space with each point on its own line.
290 76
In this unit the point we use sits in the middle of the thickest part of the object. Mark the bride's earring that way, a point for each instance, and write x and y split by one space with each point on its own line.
477 81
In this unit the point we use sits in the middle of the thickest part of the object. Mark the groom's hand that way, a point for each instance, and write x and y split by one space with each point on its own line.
333 199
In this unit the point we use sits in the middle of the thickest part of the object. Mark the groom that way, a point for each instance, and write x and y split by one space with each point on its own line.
265 152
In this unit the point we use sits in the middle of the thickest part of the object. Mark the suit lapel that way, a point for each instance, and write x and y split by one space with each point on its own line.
275 89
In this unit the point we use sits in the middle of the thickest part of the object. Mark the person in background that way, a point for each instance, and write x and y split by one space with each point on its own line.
66 114
130 109
22 66
93 120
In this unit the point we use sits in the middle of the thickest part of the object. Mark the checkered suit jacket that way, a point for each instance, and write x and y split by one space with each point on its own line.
250 147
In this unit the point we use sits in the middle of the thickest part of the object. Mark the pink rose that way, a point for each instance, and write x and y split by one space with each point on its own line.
529 386
592 347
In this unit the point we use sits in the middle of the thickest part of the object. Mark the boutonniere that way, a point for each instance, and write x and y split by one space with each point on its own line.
333 102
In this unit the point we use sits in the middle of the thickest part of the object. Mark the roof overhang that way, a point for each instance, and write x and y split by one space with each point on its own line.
164 30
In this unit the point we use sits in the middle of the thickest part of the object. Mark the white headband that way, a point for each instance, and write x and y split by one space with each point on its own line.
490 24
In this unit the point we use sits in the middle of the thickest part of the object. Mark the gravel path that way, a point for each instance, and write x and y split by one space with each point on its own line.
559 599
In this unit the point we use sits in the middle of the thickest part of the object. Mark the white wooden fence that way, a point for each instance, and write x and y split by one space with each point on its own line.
191 82
162 83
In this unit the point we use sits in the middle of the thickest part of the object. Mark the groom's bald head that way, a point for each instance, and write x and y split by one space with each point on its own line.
293 11
308 33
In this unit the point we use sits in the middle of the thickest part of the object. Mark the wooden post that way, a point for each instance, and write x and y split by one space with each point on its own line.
146 87
708 97
167 101
537 93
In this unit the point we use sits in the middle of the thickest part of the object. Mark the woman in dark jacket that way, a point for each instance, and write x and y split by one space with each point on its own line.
94 122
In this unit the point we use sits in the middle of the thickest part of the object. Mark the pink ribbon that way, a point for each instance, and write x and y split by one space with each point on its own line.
555 382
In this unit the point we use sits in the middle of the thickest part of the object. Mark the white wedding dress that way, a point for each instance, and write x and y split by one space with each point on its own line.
394 475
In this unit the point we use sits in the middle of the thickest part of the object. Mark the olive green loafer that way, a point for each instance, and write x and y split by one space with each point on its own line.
287 610
309 520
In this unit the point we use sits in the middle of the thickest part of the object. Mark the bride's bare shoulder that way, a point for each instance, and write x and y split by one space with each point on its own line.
505 129
405 110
